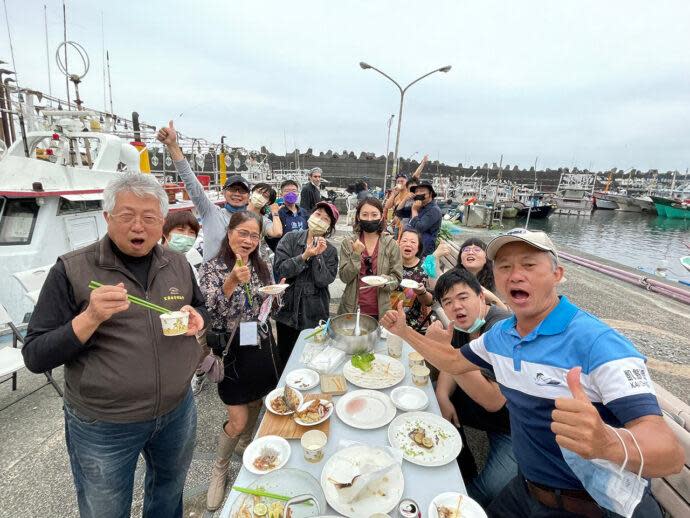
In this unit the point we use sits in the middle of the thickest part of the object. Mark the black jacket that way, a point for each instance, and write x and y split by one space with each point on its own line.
307 299
310 197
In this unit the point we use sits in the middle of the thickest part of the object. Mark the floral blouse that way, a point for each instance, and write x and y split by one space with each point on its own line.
412 306
226 312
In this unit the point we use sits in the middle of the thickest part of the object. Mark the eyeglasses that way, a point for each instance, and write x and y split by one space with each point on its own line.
244 234
472 248
127 218
236 190
367 264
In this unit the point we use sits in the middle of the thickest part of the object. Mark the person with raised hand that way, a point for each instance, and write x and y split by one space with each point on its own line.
309 264
617 436
214 219
368 252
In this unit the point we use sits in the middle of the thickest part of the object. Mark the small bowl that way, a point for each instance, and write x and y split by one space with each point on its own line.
304 406
409 399
175 323
273 289
278 392
410 283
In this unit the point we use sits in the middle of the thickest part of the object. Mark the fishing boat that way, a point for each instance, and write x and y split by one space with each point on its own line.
604 201
678 211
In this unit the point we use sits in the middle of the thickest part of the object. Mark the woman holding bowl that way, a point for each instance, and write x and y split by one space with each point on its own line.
309 265
368 252
240 334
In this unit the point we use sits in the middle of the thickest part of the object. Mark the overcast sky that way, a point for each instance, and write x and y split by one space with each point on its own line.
584 83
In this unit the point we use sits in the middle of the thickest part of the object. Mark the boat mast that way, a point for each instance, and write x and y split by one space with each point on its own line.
64 40
110 85
45 22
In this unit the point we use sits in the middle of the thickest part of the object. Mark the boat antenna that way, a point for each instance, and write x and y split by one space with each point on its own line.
105 106
45 22
9 35
110 85
64 39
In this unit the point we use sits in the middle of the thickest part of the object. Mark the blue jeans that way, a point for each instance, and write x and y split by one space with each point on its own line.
104 456
500 468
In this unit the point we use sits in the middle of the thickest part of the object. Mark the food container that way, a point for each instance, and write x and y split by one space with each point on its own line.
175 323
342 329
313 443
408 508
420 374
414 358
394 344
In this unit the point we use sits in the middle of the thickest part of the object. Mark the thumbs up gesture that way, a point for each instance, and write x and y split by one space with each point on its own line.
167 136
394 320
577 424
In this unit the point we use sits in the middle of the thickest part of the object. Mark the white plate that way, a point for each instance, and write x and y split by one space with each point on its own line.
304 405
273 289
302 379
409 283
409 399
365 409
374 280
274 442
446 438
468 507
379 497
385 372
278 392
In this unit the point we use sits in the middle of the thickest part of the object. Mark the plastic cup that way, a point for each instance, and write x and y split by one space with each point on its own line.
313 444
420 375
414 358
175 323
394 344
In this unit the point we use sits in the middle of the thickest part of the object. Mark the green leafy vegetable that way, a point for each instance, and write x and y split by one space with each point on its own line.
363 361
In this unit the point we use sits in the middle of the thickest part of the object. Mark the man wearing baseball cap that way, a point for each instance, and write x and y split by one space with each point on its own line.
586 426
213 218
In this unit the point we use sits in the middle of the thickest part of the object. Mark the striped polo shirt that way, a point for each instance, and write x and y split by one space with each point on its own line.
531 372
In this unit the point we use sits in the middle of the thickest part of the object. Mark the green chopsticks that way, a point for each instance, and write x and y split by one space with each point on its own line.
247 289
259 492
134 300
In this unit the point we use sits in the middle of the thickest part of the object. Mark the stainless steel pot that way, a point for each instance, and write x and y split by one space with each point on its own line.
341 331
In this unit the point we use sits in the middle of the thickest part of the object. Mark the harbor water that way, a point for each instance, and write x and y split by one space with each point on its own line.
639 240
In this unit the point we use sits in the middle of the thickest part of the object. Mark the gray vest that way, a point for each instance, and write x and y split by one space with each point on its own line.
128 371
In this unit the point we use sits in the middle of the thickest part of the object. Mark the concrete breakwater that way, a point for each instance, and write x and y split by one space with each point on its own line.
33 459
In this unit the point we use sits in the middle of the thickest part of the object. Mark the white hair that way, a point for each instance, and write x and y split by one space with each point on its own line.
315 170
138 184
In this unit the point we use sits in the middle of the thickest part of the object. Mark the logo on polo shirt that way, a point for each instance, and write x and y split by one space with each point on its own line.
175 294
542 379
636 377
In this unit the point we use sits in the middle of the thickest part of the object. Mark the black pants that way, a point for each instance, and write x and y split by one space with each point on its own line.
516 502
287 336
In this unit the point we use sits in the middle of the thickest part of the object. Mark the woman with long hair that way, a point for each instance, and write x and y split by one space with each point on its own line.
472 257
231 283
368 251
309 265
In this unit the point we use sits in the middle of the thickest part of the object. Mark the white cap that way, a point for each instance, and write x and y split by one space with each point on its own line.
537 239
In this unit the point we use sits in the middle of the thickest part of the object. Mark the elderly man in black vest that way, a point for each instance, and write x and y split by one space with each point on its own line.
127 386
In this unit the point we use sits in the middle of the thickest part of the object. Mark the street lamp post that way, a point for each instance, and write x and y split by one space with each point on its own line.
388 140
366 66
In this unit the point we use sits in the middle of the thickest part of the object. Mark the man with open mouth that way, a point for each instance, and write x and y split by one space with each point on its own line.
585 446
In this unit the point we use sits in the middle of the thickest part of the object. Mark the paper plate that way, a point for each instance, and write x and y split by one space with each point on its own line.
365 409
446 438
379 497
374 280
385 372
255 448
468 507
278 392
304 405
274 289
409 399
409 283
302 379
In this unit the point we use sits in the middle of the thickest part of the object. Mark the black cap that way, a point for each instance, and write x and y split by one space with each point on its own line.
424 183
236 179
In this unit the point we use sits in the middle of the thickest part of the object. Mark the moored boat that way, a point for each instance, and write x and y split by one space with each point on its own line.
603 201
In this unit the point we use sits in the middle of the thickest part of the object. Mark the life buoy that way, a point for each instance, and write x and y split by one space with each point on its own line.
472 200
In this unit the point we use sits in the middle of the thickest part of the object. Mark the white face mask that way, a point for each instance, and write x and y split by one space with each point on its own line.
258 200
317 226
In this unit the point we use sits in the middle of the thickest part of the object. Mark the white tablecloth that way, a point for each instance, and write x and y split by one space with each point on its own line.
422 484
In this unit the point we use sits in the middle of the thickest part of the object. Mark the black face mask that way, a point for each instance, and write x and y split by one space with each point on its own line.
419 197
370 226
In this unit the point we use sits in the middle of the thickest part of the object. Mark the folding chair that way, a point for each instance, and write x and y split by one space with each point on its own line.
11 359
32 281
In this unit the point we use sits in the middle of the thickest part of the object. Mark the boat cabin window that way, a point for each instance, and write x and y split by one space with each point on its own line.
86 150
76 206
17 221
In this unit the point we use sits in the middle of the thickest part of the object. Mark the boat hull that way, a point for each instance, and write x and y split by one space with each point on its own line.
678 211
603 202
541 212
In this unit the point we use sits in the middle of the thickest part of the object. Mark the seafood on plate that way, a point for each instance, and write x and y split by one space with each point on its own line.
315 411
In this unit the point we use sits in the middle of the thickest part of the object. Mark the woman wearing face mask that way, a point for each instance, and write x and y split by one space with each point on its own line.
309 265
262 202
180 231
368 252
472 257
415 300
231 283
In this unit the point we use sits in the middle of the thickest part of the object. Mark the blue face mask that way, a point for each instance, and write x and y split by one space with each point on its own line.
478 323
232 209
181 242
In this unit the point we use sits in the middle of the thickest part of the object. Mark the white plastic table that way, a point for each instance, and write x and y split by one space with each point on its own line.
422 484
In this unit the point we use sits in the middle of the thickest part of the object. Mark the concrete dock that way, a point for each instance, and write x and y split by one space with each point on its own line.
34 467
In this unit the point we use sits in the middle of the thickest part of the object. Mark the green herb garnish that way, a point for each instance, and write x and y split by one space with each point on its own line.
363 361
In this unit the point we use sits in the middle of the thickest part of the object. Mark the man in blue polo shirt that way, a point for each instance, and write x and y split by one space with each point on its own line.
581 402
